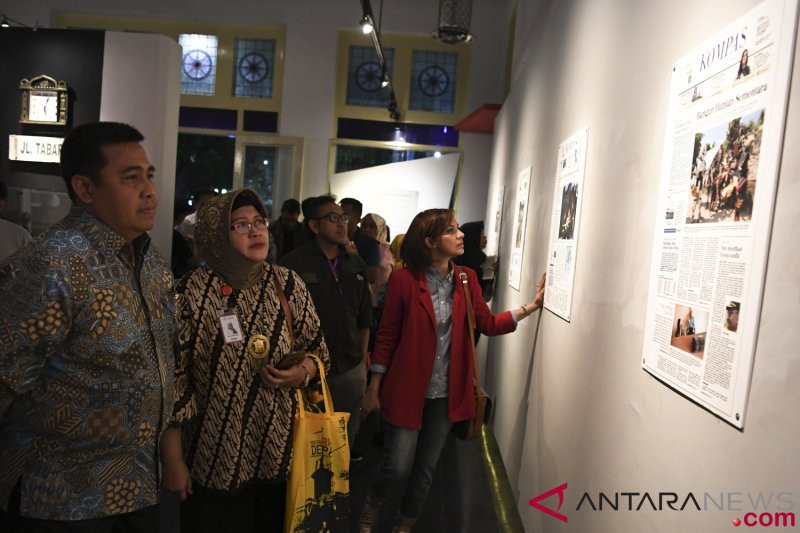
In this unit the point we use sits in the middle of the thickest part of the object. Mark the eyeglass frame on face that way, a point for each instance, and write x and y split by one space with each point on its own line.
243 228
335 218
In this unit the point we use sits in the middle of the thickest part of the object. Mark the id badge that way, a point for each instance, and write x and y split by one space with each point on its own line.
231 328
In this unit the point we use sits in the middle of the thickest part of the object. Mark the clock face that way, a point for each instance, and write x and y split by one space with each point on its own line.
43 106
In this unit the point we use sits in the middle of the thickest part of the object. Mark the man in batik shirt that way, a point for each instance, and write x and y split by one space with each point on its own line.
86 350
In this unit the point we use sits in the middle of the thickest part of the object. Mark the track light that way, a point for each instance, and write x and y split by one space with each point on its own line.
366 25
394 113
7 22
384 76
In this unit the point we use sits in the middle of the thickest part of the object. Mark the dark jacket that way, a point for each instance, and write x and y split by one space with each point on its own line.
344 306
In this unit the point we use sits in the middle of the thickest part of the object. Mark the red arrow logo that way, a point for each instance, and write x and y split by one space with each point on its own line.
534 502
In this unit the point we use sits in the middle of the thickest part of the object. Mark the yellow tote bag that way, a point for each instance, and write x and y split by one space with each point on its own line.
318 491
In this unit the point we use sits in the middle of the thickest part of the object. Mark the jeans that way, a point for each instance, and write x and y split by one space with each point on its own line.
412 454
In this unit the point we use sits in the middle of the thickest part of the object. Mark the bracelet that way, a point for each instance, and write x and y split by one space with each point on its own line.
524 311
303 384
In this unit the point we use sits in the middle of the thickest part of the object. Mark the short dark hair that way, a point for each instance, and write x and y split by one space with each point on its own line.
290 206
357 206
311 208
430 223
82 150
3 191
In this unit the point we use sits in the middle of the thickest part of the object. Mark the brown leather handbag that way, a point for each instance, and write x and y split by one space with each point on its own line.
470 429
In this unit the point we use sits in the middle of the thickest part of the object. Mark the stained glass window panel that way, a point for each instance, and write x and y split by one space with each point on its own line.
433 81
364 76
198 63
255 67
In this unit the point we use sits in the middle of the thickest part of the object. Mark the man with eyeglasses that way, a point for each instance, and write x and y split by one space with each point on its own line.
337 281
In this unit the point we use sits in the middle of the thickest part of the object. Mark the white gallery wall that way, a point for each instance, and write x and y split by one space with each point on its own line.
141 86
398 191
573 404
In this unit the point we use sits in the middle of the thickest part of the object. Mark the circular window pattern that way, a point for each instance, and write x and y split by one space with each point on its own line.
433 81
369 76
197 64
253 67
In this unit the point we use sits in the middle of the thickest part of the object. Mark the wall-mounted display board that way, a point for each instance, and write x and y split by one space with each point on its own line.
493 225
719 175
565 223
520 223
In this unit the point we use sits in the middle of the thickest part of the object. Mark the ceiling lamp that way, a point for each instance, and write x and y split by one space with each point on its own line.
454 20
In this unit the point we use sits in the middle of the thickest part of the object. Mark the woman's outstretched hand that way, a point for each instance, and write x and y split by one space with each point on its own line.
538 300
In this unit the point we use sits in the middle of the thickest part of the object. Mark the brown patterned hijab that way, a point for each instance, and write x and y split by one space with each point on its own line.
213 237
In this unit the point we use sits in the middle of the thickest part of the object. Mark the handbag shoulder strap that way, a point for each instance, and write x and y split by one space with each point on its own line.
284 303
471 315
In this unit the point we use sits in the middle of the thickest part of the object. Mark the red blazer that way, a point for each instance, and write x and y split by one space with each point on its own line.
406 345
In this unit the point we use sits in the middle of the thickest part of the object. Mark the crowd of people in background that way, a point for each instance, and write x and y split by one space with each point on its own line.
123 375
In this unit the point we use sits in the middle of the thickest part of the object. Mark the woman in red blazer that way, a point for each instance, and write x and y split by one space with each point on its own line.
422 365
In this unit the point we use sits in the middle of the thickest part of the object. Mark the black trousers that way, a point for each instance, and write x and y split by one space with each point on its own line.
259 507
140 521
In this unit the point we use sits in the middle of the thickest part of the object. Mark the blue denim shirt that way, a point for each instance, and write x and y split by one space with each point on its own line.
441 289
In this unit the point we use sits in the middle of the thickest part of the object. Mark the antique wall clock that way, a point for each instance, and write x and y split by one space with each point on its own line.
44 101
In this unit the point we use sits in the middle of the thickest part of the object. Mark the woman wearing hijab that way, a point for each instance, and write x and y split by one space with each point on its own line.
227 452
375 226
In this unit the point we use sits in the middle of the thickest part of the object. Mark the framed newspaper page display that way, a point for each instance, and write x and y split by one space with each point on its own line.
520 224
724 137
565 223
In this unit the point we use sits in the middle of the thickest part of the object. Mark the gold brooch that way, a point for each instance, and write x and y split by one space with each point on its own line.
257 349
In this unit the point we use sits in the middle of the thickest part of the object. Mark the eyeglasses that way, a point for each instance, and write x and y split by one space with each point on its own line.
245 227
335 218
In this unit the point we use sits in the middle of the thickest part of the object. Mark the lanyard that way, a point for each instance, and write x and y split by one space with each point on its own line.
333 263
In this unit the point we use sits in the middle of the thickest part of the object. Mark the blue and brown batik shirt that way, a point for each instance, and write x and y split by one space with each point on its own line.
86 371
